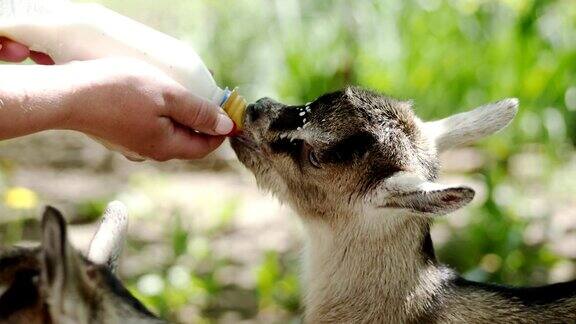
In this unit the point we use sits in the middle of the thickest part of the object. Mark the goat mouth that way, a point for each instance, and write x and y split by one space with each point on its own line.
245 141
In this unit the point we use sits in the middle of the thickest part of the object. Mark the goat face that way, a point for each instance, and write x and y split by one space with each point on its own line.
355 151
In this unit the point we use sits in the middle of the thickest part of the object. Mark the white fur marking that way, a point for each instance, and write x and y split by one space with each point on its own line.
108 240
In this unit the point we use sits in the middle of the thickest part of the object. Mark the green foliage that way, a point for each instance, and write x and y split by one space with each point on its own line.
276 286
179 237
91 210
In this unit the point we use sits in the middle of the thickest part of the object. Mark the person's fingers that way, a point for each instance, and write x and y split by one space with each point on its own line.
41 58
188 145
11 51
201 115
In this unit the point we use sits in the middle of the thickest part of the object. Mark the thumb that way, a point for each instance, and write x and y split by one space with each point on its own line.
199 114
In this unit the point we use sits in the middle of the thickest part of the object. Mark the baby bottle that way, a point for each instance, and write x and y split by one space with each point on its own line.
70 31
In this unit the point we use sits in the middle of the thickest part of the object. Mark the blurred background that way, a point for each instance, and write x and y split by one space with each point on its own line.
206 246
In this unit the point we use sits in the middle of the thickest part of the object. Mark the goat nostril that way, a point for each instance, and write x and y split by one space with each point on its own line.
253 112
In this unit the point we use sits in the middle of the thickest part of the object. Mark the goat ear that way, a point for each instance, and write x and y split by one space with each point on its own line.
108 241
65 276
470 126
54 248
425 197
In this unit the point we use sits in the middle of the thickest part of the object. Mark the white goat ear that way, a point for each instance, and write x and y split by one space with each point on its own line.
107 243
425 197
470 126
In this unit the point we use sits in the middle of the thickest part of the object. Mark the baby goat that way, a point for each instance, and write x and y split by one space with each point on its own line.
359 168
55 284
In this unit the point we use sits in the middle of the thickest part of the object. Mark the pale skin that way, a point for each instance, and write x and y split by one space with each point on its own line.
124 102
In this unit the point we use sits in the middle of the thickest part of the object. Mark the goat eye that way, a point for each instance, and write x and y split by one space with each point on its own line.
313 159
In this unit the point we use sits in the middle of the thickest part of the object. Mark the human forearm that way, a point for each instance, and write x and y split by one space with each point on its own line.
32 99
125 103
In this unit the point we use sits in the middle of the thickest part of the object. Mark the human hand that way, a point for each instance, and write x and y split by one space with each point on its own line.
126 104
137 107
11 51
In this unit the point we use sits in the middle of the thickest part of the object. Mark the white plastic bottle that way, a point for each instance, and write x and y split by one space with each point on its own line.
70 31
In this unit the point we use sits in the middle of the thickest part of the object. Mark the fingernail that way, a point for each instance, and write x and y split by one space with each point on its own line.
224 125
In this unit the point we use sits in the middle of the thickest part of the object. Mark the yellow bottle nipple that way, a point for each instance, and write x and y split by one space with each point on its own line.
235 106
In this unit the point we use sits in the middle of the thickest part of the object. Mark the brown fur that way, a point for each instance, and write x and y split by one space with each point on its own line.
357 167
53 283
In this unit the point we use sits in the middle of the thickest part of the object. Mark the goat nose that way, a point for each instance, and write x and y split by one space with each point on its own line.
256 110
253 112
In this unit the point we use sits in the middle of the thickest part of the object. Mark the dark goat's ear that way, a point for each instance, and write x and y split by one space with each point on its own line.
55 255
54 245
